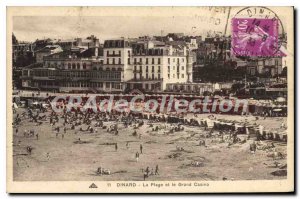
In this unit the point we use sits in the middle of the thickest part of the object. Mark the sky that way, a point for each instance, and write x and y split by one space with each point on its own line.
30 28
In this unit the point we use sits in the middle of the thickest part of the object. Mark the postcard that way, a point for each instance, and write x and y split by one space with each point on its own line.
150 99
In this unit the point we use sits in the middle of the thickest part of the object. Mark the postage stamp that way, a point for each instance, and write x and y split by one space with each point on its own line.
150 99
254 37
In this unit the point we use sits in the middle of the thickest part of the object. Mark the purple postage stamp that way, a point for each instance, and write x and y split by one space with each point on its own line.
254 37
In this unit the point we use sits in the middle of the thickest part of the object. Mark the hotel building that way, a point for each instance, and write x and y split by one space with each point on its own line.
121 65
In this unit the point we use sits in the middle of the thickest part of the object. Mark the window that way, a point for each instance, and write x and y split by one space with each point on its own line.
168 60
107 85
128 53
119 52
146 60
146 69
134 68
107 61
141 61
168 76
158 61
152 60
146 75
158 69
152 69
113 61
84 65
119 60
152 76
182 67
168 68
182 75
134 60
158 76
107 53
113 52
128 60
147 87
73 66
140 68
78 65
69 66
182 59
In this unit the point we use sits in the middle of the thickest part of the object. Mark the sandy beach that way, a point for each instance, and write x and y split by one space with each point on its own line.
69 159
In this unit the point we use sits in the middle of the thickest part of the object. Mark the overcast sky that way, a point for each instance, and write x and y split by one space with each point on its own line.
31 28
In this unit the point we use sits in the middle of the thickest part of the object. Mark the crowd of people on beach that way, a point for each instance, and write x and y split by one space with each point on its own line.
89 122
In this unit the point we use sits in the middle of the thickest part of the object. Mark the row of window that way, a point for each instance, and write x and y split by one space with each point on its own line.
113 61
69 65
147 69
147 61
108 85
169 68
188 87
158 68
174 60
108 69
147 76
79 74
141 51
174 76
140 61
113 53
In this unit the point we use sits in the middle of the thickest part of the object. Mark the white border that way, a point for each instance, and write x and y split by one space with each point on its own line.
5 3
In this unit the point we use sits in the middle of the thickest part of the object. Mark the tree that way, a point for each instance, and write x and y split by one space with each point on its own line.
14 39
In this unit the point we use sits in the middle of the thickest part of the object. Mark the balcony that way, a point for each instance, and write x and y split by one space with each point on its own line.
113 55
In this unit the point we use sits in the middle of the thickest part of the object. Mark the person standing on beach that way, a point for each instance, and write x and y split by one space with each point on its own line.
141 148
156 170
147 171
137 155
48 156
116 146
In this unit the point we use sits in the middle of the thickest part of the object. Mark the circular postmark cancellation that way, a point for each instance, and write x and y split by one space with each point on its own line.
257 32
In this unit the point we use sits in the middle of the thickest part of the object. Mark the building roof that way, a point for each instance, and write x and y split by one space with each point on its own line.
48 48
75 52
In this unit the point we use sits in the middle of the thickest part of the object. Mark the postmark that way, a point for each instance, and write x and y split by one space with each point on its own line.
257 32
